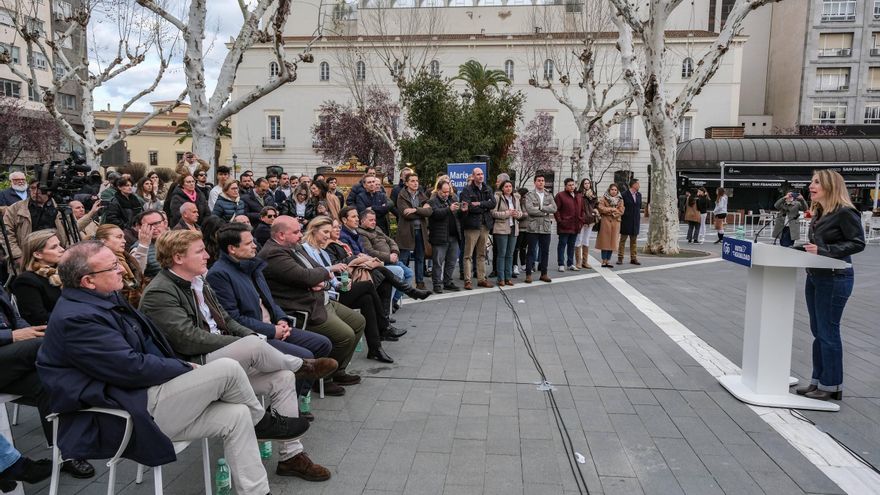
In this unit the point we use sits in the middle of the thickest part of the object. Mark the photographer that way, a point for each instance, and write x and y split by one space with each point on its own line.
38 212
787 227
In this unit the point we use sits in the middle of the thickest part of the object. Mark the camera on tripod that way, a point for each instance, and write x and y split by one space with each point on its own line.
63 178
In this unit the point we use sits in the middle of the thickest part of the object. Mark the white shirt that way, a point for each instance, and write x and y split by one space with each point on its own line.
509 208
213 195
198 286
540 197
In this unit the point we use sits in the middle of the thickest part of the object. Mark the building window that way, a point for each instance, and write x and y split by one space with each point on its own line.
875 44
435 68
325 71
876 9
548 70
13 51
153 157
275 127
686 126
835 44
832 79
67 102
434 3
10 88
59 70
404 4
872 113
274 70
360 71
874 79
461 3
687 68
35 26
39 61
7 18
519 2
489 3
61 9
508 69
626 130
838 10
829 113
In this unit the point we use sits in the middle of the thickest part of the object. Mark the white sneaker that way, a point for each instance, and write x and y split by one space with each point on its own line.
516 269
561 268
573 268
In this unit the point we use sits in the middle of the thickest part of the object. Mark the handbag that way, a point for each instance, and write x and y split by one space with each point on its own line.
597 226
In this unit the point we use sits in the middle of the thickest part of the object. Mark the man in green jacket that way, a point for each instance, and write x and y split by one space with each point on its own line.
186 311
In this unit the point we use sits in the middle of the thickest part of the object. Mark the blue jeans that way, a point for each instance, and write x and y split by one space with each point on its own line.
565 247
606 254
504 262
417 255
826 298
8 454
539 249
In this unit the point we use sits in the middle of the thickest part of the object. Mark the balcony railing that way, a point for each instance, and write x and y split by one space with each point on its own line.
273 144
839 11
835 52
876 10
626 144
875 52
832 89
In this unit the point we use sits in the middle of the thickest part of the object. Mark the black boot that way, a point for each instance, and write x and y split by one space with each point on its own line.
720 237
379 354
416 293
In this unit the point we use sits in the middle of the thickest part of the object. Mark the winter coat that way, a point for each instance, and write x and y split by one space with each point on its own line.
629 224
377 201
501 214
178 198
609 230
36 297
262 233
591 213
838 234
379 245
17 219
354 192
227 208
477 216
9 197
95 354
122 210
291 280
788 214
443 227
352 239
569 212
252 205
183 168
171 303
241 288
406 231
540 213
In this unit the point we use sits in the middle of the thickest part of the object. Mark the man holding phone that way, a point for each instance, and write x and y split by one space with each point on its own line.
787 227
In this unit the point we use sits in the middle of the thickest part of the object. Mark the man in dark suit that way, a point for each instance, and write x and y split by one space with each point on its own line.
101 352
629 222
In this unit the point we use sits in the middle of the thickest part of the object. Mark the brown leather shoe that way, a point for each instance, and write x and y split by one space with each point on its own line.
314 369
330 389
528 278
467 285
634 261
485 283
345 379
302 467
619 261
508 283
545 278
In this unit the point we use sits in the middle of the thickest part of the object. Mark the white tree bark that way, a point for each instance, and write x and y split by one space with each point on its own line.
207 113
661 114
135 42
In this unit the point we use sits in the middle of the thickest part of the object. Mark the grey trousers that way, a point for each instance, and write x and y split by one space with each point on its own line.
215 400
444 257
271 373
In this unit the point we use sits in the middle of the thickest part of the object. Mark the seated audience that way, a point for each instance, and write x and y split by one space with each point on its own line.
299 285
38 212
319 195
133 279
38 287
189 217
186 310
16 467
125 205
148 193
186 192
86 222
377 243
146 254
264 229
229 203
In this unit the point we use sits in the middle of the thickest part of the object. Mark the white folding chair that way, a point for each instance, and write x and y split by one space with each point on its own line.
6 430
305 323
178 448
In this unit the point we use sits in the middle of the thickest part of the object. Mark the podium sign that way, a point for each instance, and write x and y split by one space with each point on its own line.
737 250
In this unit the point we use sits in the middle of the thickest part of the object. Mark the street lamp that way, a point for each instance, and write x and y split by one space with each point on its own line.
234 166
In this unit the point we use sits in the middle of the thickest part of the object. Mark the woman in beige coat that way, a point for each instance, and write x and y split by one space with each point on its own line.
610 211
506 213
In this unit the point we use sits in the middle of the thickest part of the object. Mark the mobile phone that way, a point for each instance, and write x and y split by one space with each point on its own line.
795 194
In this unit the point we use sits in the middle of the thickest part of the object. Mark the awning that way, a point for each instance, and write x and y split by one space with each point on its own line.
699 178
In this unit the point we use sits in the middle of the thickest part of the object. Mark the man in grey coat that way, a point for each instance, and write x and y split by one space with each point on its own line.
540 206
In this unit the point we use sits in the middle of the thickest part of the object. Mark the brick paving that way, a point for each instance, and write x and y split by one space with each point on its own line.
458 412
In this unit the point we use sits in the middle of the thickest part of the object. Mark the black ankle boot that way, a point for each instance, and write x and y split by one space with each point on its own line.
379 355
417 293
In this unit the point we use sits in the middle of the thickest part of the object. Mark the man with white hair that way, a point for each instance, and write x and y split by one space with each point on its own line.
189 217
17 190
86 222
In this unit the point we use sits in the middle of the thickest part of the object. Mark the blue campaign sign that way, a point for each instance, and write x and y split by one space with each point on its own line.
737 250
459 172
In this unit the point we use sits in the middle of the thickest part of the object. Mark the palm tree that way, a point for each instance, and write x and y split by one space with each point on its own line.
185 132
480 79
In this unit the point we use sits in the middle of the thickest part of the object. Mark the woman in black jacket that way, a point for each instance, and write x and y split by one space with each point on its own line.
187 192
38 287
835 231
124 206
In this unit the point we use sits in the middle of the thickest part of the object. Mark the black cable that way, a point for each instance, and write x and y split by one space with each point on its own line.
564 435
799 415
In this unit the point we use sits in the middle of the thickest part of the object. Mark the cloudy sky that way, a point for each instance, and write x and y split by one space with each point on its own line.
224 21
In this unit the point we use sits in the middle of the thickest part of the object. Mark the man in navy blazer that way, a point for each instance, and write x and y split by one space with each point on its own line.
101 352
630 222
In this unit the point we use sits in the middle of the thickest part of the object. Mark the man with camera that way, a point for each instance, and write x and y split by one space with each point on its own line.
787 227
190 164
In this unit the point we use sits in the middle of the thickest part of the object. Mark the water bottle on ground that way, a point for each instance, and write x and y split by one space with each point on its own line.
345 282
222 480
266 449
740 232
360 345
305 403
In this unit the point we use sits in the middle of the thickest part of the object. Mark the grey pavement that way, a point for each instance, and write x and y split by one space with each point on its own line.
459 413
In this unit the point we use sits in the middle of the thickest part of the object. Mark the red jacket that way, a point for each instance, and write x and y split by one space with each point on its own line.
569 213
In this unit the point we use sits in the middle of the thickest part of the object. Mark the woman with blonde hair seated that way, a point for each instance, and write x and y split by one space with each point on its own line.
38 287
133 279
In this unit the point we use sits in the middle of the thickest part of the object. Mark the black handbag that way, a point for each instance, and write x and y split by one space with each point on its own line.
597 226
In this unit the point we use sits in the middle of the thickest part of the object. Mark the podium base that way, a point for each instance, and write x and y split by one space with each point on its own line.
734 385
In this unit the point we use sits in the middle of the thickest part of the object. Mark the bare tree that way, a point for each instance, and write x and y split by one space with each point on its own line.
25 134
379 44
647 23
139 35
533 150
207 113
573 49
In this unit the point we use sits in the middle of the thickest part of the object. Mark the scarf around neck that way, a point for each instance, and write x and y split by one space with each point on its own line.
612 200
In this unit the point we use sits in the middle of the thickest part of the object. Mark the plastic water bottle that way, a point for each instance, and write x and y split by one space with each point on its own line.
740 232
266 449
305 403
345 282
222 480
360 345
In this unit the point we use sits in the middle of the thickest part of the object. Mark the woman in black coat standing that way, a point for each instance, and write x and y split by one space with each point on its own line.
835 231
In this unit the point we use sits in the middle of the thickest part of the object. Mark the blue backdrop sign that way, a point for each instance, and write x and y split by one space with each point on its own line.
459 172
737 251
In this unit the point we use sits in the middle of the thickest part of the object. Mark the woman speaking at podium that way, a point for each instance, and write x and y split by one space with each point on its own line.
836 231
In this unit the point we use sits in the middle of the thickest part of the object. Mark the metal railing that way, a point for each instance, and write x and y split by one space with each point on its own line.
835 52
270 143
626 144
840 10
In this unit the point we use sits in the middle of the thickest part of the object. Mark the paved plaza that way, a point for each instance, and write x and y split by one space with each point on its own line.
459 412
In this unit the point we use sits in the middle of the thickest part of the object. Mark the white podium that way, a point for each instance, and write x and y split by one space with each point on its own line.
769 317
